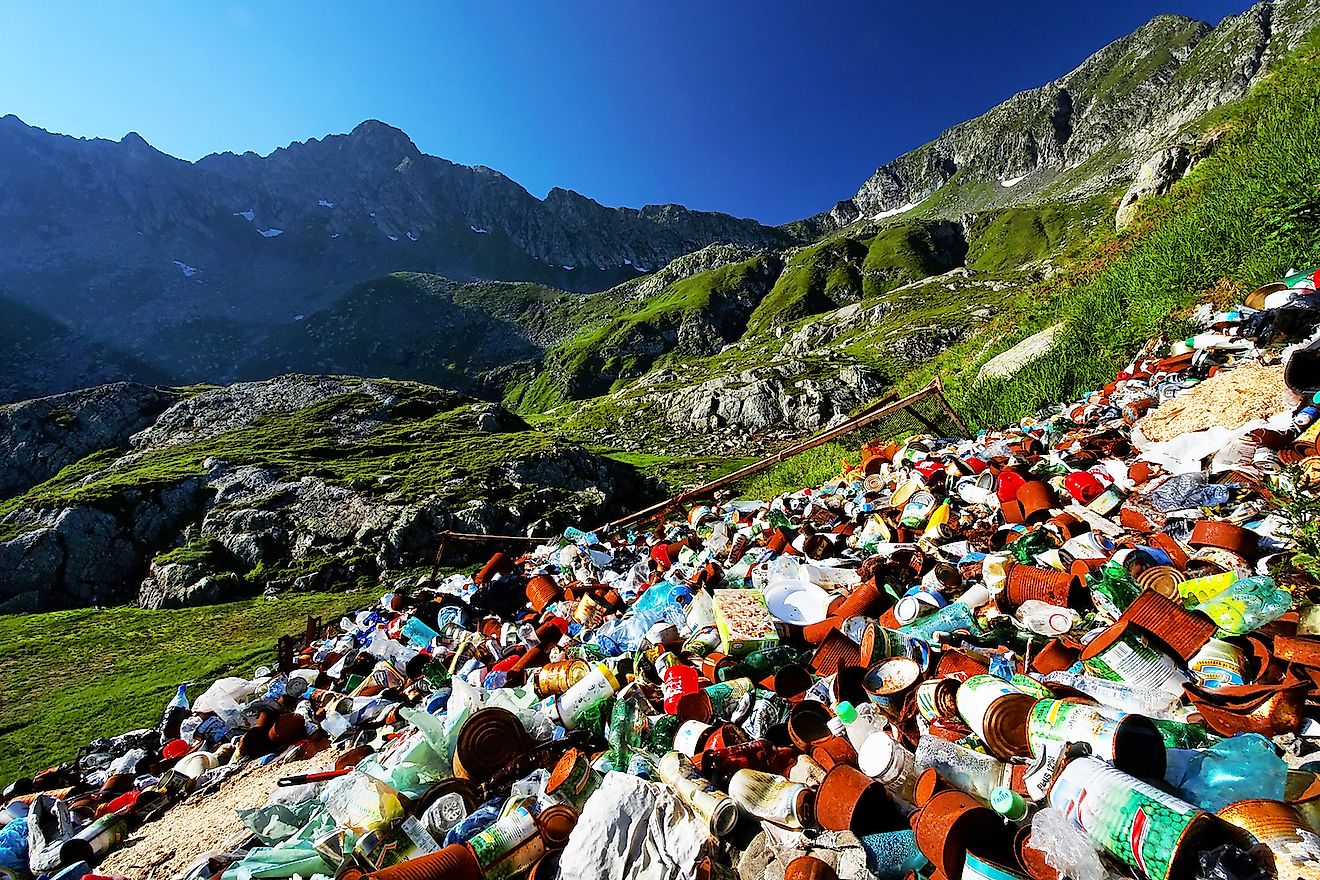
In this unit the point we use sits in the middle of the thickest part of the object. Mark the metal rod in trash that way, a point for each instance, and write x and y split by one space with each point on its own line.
867 416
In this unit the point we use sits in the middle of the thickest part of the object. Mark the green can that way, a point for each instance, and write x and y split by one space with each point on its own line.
1155 834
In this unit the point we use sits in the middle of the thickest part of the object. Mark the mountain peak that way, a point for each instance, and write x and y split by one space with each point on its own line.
377 132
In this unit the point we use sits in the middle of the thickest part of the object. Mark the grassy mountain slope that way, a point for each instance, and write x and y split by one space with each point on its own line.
1243 216
122 678
693 316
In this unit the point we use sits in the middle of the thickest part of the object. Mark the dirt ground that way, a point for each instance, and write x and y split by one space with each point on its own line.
160 849
1231 398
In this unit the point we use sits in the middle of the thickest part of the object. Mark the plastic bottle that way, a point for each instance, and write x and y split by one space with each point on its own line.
859 722
1117 694
578 703
1009 804
1045 619
973 772
175 712
1218 342
954 617
759 754
885 759
664 601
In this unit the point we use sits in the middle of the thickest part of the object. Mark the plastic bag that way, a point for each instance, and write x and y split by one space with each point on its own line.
359 802
275 823
14 846
49 824
1243 767
1066 847
1232 863
290 861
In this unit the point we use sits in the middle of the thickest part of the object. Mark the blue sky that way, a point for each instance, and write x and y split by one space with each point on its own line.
769 109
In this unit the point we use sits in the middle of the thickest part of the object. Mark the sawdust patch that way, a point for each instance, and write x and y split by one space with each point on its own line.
1229 398
160 849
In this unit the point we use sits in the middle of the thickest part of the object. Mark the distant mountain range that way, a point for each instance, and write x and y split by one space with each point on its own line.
120 262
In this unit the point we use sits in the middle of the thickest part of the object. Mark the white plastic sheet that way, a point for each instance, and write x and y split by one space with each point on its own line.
633 830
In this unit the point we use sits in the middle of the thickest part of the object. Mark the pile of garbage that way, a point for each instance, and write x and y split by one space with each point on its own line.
1076 648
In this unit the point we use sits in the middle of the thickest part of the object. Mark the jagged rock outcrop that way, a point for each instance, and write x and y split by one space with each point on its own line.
39 437
297 482
1156 176
785 397
714 256
180 585
1089 130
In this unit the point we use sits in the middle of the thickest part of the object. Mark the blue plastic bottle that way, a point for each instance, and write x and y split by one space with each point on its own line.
664 601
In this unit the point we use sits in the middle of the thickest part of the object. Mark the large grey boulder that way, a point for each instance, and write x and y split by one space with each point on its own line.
1029 350
1155 177
181 584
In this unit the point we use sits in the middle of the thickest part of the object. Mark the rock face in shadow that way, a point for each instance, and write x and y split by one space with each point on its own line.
39 437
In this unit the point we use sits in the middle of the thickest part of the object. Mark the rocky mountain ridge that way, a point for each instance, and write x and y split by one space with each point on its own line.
1088 131
166 267
298 482
120 262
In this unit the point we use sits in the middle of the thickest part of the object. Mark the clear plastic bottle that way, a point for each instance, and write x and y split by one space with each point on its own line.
884 758
1045 619
859 722
1119 695
663 602
973 772
1218 342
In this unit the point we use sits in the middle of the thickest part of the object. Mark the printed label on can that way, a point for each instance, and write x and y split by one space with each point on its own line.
697 792
1134 822
509 847
425 844
1054 723
724 696
767 796
575 704
690 736
1132 659
1219 664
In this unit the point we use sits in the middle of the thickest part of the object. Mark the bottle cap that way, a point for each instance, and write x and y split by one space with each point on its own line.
1008 803
845 712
